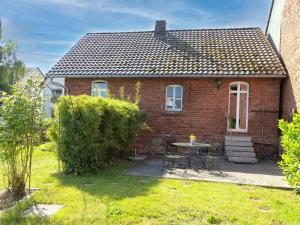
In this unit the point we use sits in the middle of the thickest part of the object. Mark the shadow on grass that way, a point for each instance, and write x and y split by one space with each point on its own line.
110 182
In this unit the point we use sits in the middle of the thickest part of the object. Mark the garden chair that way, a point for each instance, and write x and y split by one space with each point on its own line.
213 159
171 155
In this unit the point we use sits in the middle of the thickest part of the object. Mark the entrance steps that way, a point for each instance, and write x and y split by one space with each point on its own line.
240 149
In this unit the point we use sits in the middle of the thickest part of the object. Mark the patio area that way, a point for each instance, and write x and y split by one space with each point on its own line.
264 173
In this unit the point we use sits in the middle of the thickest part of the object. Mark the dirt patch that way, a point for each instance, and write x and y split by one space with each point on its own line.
7 199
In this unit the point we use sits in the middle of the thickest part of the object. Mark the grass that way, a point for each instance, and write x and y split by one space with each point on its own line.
111 198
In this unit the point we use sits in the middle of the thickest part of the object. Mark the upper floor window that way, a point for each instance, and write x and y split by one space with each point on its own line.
174 97
238 106
99 89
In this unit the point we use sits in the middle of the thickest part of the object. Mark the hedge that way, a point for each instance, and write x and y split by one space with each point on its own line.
90 132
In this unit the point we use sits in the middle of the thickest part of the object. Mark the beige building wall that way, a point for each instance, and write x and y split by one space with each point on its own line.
284 32
290 52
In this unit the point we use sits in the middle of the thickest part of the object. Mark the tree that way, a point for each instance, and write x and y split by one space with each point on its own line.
290 141
11 68
21 122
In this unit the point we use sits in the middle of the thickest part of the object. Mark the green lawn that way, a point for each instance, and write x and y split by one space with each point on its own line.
111 198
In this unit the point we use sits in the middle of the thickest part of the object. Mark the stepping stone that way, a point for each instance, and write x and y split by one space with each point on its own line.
42 210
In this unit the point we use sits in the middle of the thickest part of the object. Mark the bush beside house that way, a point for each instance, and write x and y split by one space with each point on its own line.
91 132
290 140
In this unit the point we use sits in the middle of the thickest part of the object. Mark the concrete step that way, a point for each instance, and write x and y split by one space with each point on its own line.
237 138
239 143
239 148
242 159
240 154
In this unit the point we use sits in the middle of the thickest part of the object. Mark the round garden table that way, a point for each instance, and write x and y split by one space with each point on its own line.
193 146
193 150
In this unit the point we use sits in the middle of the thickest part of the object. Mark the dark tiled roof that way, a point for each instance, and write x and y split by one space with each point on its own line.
203 52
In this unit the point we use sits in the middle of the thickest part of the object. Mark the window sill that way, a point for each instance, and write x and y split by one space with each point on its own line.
172 113
238 131
167 110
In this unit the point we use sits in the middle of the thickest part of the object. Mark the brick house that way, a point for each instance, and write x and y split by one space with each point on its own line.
284 33
210 82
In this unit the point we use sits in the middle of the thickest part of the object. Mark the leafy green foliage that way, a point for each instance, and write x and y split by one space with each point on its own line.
290 140
11 69
91 132
21 122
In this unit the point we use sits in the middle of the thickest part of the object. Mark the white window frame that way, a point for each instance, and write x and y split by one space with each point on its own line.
99 81
174 98
238 92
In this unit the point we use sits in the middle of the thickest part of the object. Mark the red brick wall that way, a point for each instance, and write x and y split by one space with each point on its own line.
290 52
205 108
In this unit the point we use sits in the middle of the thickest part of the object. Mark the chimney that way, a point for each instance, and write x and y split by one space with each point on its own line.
160 29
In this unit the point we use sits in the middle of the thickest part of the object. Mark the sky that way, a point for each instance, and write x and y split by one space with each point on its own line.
46 29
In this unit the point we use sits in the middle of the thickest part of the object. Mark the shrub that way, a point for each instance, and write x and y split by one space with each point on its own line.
290 141
91 132
21 122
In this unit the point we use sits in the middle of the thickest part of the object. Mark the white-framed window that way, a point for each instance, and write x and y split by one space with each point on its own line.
174 98
238 106
99 89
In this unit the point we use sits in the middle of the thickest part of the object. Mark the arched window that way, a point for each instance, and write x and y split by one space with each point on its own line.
238 106
99 89
174 97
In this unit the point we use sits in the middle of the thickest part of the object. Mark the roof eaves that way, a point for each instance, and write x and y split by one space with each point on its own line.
171 76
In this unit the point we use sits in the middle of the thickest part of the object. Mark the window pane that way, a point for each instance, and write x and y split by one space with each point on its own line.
170 92
233 87
178 104
96 91
55 95
57 92
243 87
96 85
232 111
243 111
103 94
103 85
178 92
169 103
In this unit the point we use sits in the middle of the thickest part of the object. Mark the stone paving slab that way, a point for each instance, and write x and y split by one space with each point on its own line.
42 210
265 173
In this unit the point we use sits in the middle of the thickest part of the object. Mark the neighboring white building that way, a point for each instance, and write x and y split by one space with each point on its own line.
274 24
52 90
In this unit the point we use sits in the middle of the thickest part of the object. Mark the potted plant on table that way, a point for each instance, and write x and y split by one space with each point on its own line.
192 139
